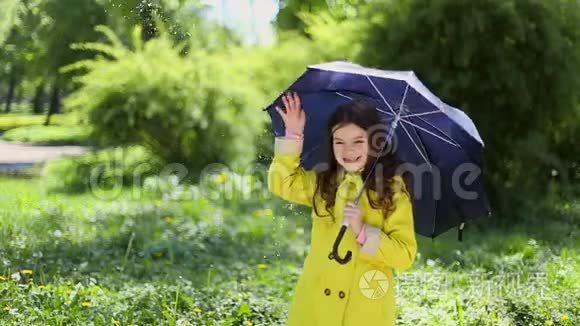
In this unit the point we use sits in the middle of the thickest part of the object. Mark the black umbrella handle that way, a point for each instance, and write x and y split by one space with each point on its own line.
348 255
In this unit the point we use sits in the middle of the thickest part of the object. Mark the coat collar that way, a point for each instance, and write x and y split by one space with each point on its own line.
346 180
343 175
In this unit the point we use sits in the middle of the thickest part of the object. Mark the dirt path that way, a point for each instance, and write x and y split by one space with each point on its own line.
16 156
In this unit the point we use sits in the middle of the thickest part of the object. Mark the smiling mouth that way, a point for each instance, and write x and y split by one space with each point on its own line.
352 160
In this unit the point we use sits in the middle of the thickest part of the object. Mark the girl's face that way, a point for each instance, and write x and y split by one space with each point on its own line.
350 144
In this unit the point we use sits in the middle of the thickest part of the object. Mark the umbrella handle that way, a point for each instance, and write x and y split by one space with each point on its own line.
348 255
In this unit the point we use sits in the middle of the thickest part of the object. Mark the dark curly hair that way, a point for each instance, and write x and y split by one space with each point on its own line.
363 114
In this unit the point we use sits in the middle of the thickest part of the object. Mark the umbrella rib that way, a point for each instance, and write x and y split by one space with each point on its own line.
417 147
350 98
419 114
431 133
383 111
380 94
340 94
441 131
403 101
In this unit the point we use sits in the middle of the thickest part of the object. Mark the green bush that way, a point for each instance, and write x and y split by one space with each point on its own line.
108 169
511 65
185 108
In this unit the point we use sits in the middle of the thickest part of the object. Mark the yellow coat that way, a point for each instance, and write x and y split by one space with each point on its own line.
362 291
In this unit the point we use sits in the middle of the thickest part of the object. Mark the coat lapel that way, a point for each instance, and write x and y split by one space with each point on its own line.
349 186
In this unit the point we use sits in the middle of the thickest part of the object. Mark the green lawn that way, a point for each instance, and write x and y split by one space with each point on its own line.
27 128
49 135
14 120
139 259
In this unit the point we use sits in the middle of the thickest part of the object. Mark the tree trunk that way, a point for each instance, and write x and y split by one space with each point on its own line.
18 94
54 107
10 95
38 100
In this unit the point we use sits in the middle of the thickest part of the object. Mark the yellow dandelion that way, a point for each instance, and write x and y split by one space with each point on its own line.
258 212
7 308
26 271
565 317
86 304
249 323
168 219
196 309
262 266
268 212
2 278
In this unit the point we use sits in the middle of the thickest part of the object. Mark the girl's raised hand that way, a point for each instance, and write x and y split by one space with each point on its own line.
293 116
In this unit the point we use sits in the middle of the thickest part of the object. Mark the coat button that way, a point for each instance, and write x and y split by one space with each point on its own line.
330 256
327 291
341 294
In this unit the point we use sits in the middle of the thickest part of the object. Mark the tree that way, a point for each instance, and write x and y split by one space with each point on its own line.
11 56
8 17
61 30
292 12
288 16
511 64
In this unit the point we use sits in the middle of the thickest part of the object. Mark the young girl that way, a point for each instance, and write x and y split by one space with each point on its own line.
381 232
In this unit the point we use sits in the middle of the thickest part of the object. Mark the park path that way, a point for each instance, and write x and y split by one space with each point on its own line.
18 156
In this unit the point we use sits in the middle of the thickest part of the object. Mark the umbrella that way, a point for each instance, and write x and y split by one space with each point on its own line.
440 141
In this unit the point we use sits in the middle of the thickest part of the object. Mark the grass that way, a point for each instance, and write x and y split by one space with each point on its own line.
15 120
49 135
84 260
29 128
140 258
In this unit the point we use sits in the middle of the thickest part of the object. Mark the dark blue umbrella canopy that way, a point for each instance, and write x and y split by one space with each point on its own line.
439 143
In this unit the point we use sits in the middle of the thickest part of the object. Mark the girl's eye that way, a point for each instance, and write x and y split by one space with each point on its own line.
359 142
338 143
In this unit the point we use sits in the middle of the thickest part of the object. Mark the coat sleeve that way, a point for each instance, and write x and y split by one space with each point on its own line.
286 178
394 245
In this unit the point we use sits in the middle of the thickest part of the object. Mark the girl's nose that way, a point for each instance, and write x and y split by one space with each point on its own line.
351 150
